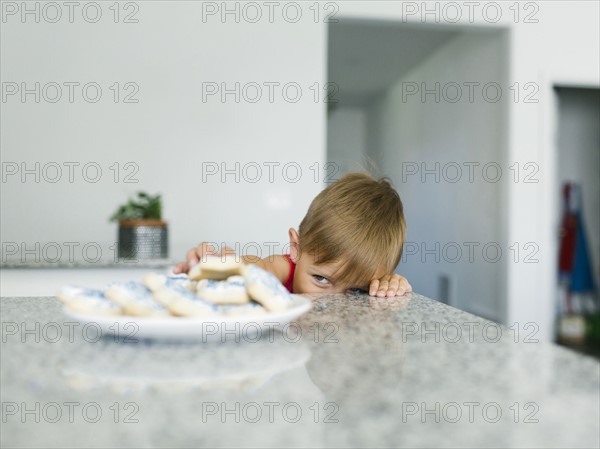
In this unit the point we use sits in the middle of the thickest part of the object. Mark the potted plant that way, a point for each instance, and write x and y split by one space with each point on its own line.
142 232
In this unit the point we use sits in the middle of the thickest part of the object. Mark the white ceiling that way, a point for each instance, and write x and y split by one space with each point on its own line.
366 57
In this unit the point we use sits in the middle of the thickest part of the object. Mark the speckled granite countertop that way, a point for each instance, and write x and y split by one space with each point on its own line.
405 372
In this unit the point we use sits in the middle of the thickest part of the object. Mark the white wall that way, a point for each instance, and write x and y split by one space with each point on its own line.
447 212
170 132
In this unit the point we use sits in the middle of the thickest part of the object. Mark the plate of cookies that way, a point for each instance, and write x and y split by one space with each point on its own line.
220 297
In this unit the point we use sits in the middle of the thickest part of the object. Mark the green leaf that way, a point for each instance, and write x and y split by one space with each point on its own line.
144 207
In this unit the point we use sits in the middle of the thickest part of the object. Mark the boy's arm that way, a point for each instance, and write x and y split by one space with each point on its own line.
275 264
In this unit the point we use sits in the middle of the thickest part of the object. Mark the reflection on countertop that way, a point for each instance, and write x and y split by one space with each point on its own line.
355 372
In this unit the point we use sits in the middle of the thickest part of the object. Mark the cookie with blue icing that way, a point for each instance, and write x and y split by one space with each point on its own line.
230 291
161 287
183 302
155 281
136 300
264 288
88 301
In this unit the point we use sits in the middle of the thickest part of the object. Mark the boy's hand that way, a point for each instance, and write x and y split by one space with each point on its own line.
194 255
389 285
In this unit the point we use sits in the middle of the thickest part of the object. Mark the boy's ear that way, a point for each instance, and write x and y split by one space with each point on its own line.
294 245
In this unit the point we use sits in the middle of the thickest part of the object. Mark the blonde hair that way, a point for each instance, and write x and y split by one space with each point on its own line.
357 220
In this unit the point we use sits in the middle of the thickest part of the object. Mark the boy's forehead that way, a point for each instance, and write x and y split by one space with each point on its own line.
329 269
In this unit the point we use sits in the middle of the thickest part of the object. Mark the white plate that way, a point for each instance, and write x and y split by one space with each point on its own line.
249 328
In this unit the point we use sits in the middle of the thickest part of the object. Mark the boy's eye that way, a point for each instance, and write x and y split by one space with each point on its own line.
320 279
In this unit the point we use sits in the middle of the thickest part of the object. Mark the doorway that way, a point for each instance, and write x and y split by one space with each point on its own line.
426 106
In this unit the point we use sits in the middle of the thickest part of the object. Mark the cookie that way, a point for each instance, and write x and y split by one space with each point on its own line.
230 291
136 300
216 267
195 273
154 281
88 301
164 288
266 289
182 302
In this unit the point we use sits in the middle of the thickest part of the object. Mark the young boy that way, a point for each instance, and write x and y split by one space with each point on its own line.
351 238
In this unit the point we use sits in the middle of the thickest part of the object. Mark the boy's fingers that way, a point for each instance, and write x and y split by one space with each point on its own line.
196 254
203 249
404 284
404 288
394 286
206 249
389 285
192 257
383 286
181 267
209 249
227 251
373 287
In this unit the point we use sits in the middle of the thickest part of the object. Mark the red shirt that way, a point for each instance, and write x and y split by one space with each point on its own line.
289 283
